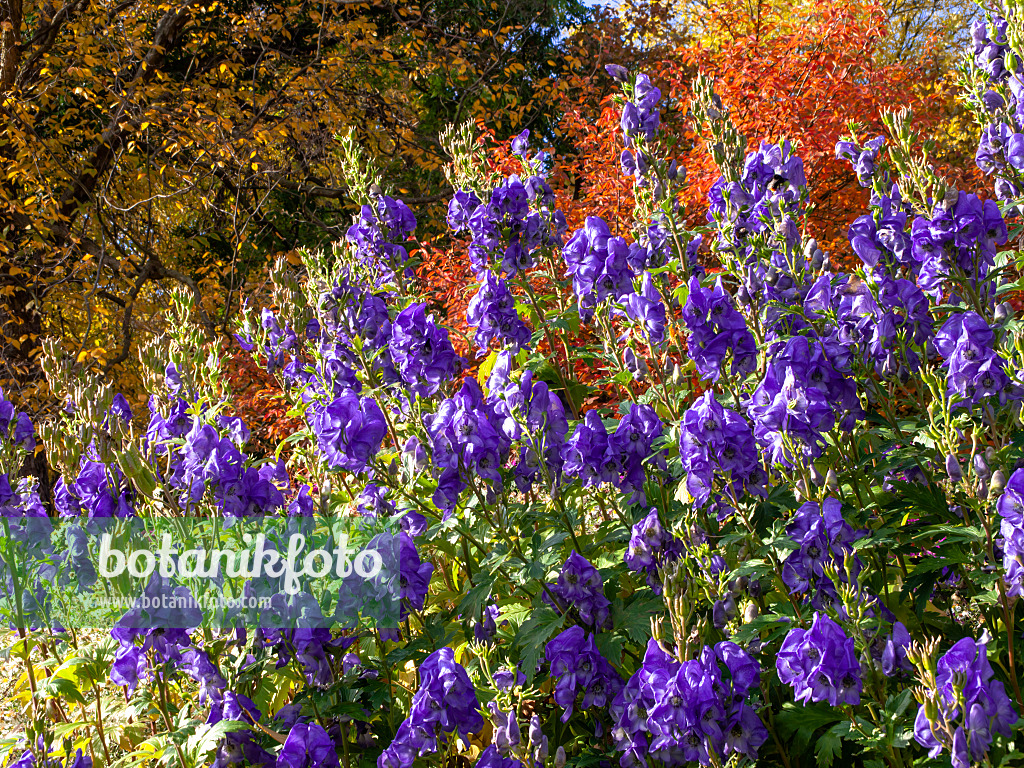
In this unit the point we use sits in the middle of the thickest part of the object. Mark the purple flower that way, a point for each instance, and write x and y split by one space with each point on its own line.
423 354
966 703
581 587
820 663
307 746
578 667
349 430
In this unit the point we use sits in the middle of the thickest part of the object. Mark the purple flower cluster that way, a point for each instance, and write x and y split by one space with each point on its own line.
492 311
598 264
881 239
349 430
531 414
16 426
974 370
966 708
577 667
413 574
679 713
716 329
505 230
768 192
651 547
803 395
445 702
468 445
595 457
376 234
640 115
958 241
887 320
715 442
862 158
820 663
98 491
1011 527
581 588
824 539
422 353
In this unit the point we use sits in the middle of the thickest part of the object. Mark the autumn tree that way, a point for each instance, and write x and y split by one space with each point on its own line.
148 145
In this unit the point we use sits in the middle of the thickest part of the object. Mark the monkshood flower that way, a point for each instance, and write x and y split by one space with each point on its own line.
493 312
99 491
377 232
884 319
992 153
486 627
492 758
679 713
445 702
990 47
596 457
820 663
716 443
308 746
974 370
769 191
961 238
651 547
468 444
640 115
966 707
1011 528
577 667
647 308
653 247
28 759
349 430
581 587
802 396
825 539
533 415
881 239
16 426
716 329
422 352
597 264
414 575
505 230
164 631
862 158
348 311
632 444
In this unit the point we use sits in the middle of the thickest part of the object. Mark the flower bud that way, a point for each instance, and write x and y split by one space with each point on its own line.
672 170
560 757
750 613
617 72
953 469
514 734
981 467
998 482
990 455
535 731
1003 313
816 477
832 481
810 247
677 374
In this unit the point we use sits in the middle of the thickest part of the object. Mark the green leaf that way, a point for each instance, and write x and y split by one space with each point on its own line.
534 634
210 735
827 748
635 618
